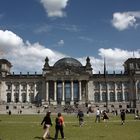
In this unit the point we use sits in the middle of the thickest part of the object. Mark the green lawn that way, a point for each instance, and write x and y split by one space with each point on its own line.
27 127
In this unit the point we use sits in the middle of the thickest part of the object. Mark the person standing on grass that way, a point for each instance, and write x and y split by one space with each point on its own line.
97 115
46 122
122 116
80 115
105 116
59 126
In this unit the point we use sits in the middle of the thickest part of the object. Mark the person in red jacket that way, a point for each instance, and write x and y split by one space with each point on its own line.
59 126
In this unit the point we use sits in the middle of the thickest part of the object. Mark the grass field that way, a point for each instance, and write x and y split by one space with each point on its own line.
27 127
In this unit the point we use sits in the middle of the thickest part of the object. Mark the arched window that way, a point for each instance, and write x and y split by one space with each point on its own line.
112 97
31 97
97 97
104 96
119 96
16 97
23 97
126 94
8 97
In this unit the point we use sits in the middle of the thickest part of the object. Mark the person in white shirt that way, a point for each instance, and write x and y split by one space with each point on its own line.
97 115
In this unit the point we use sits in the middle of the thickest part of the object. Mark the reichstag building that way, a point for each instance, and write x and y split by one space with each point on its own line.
69 82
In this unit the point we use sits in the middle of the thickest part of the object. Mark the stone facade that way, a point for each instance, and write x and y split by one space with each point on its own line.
69 82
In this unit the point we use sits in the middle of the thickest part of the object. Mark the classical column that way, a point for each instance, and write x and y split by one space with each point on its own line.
47 91
80 97
63 93
123 96
35 92
27 93
72 102
55 84
136 86
20 96
100 92
12 93
108 93
116 99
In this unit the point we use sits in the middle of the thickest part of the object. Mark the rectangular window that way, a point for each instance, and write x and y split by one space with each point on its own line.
16 87
9 87
23 87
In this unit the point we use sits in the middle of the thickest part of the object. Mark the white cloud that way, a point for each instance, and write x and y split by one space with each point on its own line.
116 57
86 39
25 56
125 20
61 42
54 8
8 41
43 29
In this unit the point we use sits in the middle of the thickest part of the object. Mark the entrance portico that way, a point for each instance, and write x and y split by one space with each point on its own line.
63 92
66 81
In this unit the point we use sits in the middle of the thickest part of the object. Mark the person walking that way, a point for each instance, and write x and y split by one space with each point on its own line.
59 126
122 116
80 115
105 116
46 122
97 115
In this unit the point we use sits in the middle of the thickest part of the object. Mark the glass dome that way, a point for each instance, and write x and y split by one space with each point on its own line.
67 62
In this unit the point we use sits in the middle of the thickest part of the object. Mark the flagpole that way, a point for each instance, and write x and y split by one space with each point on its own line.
105 85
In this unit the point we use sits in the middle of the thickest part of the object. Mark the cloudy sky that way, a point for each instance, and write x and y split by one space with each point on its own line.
30 30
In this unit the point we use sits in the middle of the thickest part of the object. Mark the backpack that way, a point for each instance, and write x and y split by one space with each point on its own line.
57 121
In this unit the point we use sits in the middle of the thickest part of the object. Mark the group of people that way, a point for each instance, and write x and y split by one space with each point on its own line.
103 114
59 122
47 123
80 115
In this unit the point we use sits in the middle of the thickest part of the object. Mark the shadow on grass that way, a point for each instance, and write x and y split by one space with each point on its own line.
75 125
101 137
41 138
37 137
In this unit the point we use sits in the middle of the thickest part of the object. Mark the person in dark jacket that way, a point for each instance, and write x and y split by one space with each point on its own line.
105 116
122 116
46 122
80 115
